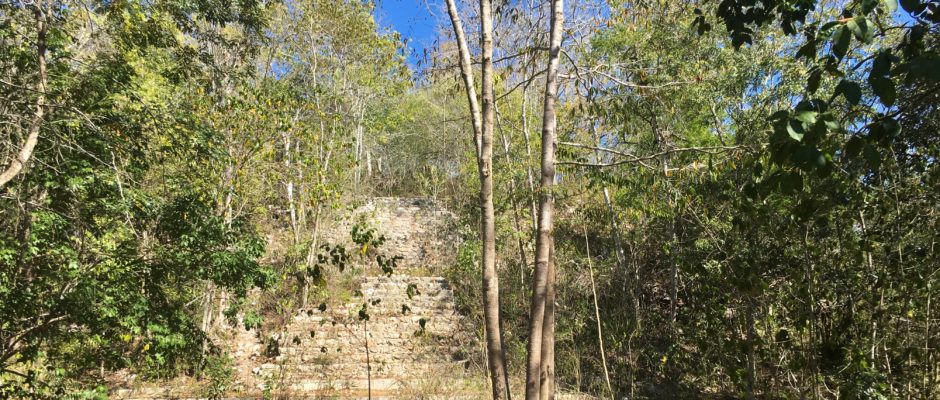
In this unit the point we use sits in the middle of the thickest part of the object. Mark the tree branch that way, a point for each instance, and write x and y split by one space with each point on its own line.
632 158
32 138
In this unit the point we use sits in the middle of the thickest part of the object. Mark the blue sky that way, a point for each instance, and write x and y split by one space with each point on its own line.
416 20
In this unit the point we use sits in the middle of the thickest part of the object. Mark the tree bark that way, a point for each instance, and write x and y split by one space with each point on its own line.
359 142
467 74
751 337
485 163
547 371
528 157
543 279
32 136
289 186
483 139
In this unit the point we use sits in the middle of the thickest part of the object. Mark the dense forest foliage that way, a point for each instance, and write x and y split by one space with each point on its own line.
746 193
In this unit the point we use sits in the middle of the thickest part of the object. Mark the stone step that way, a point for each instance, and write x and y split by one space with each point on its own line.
377 384
392 311
377 324
319 358
326 376
374 301
348 350
407 336
441 364
411 390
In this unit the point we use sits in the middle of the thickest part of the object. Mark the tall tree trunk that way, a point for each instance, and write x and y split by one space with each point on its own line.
547 372
533 206
289 185
483 139
485 166
751 337
207 316
302 189
359 143
32 135
543 280
311 256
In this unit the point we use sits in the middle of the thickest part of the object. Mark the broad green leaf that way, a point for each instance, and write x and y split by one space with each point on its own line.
807 50
881 65
830 121
841 40
891 6
828 26
872 155
812 83
861 28
795 130
884 89
851 90
806 117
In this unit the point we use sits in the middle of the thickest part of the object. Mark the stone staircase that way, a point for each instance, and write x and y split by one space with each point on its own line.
397 337
397 346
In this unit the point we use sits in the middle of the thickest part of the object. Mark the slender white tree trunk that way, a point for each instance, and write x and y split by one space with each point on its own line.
359 144
483 139
533 206
540 366
289 185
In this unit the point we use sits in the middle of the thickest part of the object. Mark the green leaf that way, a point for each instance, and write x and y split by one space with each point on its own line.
884 89
851 90
881 66
795 131
884 129
873 156
807 50
828 25
806 117
891 6
830 121
812 83
808 157
861 29
840 41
